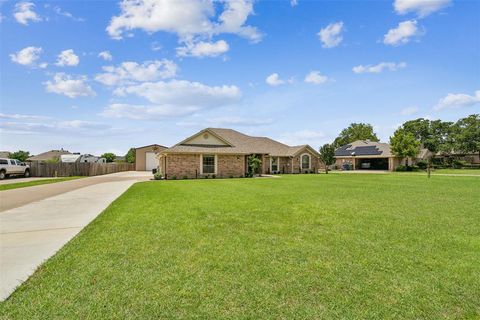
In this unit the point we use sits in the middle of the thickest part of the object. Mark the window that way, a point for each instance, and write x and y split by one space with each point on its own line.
305 161
12 162
208 164
274 164
3 161
18 163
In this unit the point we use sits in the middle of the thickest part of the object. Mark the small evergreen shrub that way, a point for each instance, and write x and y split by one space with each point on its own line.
401 168
422 164
157 176
174 178
185 177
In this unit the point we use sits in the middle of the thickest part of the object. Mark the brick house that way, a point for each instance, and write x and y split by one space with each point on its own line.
224 153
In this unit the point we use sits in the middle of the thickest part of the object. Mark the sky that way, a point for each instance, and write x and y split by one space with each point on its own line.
104 76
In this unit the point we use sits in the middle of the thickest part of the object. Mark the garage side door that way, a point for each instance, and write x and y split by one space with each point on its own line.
150 161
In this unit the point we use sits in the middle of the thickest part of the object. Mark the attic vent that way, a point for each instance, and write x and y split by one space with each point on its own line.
205 136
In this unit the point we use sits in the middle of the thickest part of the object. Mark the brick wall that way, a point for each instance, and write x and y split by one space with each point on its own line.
315 164
181 165
230 165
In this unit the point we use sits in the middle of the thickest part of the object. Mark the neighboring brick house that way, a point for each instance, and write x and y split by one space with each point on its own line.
224 153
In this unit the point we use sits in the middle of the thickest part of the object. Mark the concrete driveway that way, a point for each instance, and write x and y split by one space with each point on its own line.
35 222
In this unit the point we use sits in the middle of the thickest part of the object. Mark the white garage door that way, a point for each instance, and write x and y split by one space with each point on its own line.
150 161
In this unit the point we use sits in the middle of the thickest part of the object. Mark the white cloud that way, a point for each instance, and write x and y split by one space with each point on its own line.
408 111
331 35
69 86
129 72
71 126
237 121
203 49
105 55
315 77
187 18
28 57
67 58
146 112
66 14
421 7
17 116
458 100
182 93
402 33
378 68
274 80
24 13
293 3
302 137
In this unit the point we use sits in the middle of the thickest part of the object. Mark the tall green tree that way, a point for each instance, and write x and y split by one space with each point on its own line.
354 132
404 145
432 136
467 134
130 156
327 155
20 155
109 157
254 164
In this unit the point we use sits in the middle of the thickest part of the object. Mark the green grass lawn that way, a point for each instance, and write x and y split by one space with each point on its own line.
457 171
334 246
34 183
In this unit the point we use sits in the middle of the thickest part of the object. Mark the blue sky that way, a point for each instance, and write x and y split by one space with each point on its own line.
97 76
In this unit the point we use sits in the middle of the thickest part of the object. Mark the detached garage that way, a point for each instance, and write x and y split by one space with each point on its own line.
145 157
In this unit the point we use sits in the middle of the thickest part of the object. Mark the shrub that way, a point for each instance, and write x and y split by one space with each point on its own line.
157 176
185 177
213 176
230 176
174 177
401 168
422 164
206 177
457 164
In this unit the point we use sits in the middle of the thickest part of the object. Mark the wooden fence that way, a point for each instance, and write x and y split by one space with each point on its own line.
40 169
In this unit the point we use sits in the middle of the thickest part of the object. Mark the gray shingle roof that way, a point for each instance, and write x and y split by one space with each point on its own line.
239 143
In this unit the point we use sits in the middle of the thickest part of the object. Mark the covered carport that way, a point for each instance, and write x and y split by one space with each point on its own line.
365 155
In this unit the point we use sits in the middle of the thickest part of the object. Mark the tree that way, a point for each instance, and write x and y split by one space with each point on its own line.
110 157
20 155
354 132
432 135
467 134
404 145
254 164
327 155
130 156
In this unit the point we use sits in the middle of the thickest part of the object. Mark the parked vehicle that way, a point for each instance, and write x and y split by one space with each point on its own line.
11 167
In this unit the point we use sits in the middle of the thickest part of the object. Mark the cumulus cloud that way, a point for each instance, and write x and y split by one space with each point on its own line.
69 86
458 100
28 57
187 18
182 93
24 13
408 111
379 68
67 58
331 35
274 80
315 77
421 7
105 55
203 49
129 72
146 112
293 3
402 33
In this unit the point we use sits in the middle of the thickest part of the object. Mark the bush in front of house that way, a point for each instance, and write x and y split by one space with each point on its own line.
174 178
422 164
401 168
157 176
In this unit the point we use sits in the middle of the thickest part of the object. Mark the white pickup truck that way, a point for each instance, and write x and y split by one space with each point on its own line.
11 167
